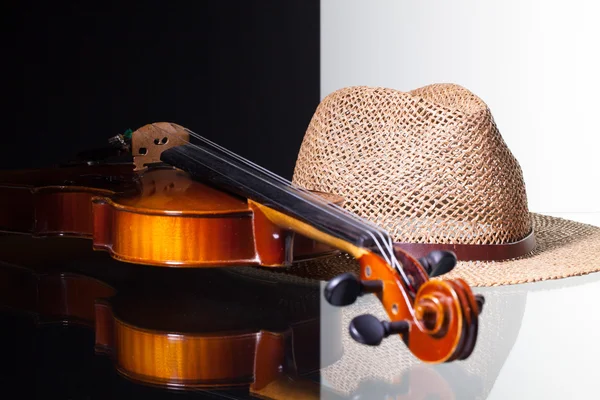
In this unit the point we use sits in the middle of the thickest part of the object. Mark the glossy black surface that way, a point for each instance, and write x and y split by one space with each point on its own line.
48 359
58 362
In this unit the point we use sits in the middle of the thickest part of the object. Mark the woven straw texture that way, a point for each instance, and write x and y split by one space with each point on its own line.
564 249
430 166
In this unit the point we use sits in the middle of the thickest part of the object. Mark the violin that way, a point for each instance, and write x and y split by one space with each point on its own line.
222 210
177 329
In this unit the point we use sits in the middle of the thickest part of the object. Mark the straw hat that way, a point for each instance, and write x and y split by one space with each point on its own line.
431 168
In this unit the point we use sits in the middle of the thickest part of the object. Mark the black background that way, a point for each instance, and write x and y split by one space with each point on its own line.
242 73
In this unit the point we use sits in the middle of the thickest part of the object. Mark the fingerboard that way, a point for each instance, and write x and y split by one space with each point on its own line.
213 165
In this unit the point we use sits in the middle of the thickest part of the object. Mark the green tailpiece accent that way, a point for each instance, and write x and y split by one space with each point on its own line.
127 134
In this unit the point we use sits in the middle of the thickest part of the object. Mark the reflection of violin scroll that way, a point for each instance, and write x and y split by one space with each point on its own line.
414 384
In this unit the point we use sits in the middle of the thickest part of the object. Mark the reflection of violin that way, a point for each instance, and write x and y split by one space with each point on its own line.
420 382
416 383
161 330
184 329
256 225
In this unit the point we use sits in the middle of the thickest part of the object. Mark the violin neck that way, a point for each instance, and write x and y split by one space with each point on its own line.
214 165
285 221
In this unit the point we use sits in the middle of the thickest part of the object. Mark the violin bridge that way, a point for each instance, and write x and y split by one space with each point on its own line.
149 141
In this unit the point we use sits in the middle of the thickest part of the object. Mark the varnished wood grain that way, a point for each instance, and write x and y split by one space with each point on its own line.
435 313
177 359
158 216
166 240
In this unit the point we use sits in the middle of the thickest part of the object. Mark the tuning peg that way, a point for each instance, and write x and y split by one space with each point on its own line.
367 329
438 262
480 302
345 288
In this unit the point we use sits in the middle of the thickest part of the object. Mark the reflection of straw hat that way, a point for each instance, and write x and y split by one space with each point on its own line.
431 168
471 379
391 361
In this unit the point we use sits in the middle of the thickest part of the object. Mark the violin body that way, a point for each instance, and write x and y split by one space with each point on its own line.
182 329
158 216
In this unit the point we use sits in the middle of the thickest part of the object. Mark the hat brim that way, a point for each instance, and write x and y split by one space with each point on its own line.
564 248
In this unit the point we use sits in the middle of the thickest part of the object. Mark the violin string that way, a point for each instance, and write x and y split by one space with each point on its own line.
342 214
388 255
368 232
281 179
271 174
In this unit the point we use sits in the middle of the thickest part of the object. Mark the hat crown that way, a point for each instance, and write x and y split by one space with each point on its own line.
428 166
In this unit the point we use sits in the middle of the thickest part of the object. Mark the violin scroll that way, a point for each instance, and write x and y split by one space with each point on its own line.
436 319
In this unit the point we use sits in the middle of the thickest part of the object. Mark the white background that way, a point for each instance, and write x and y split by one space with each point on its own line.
535 63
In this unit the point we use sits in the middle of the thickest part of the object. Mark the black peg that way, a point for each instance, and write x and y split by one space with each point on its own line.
480 302
367 329
438 262
344 289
